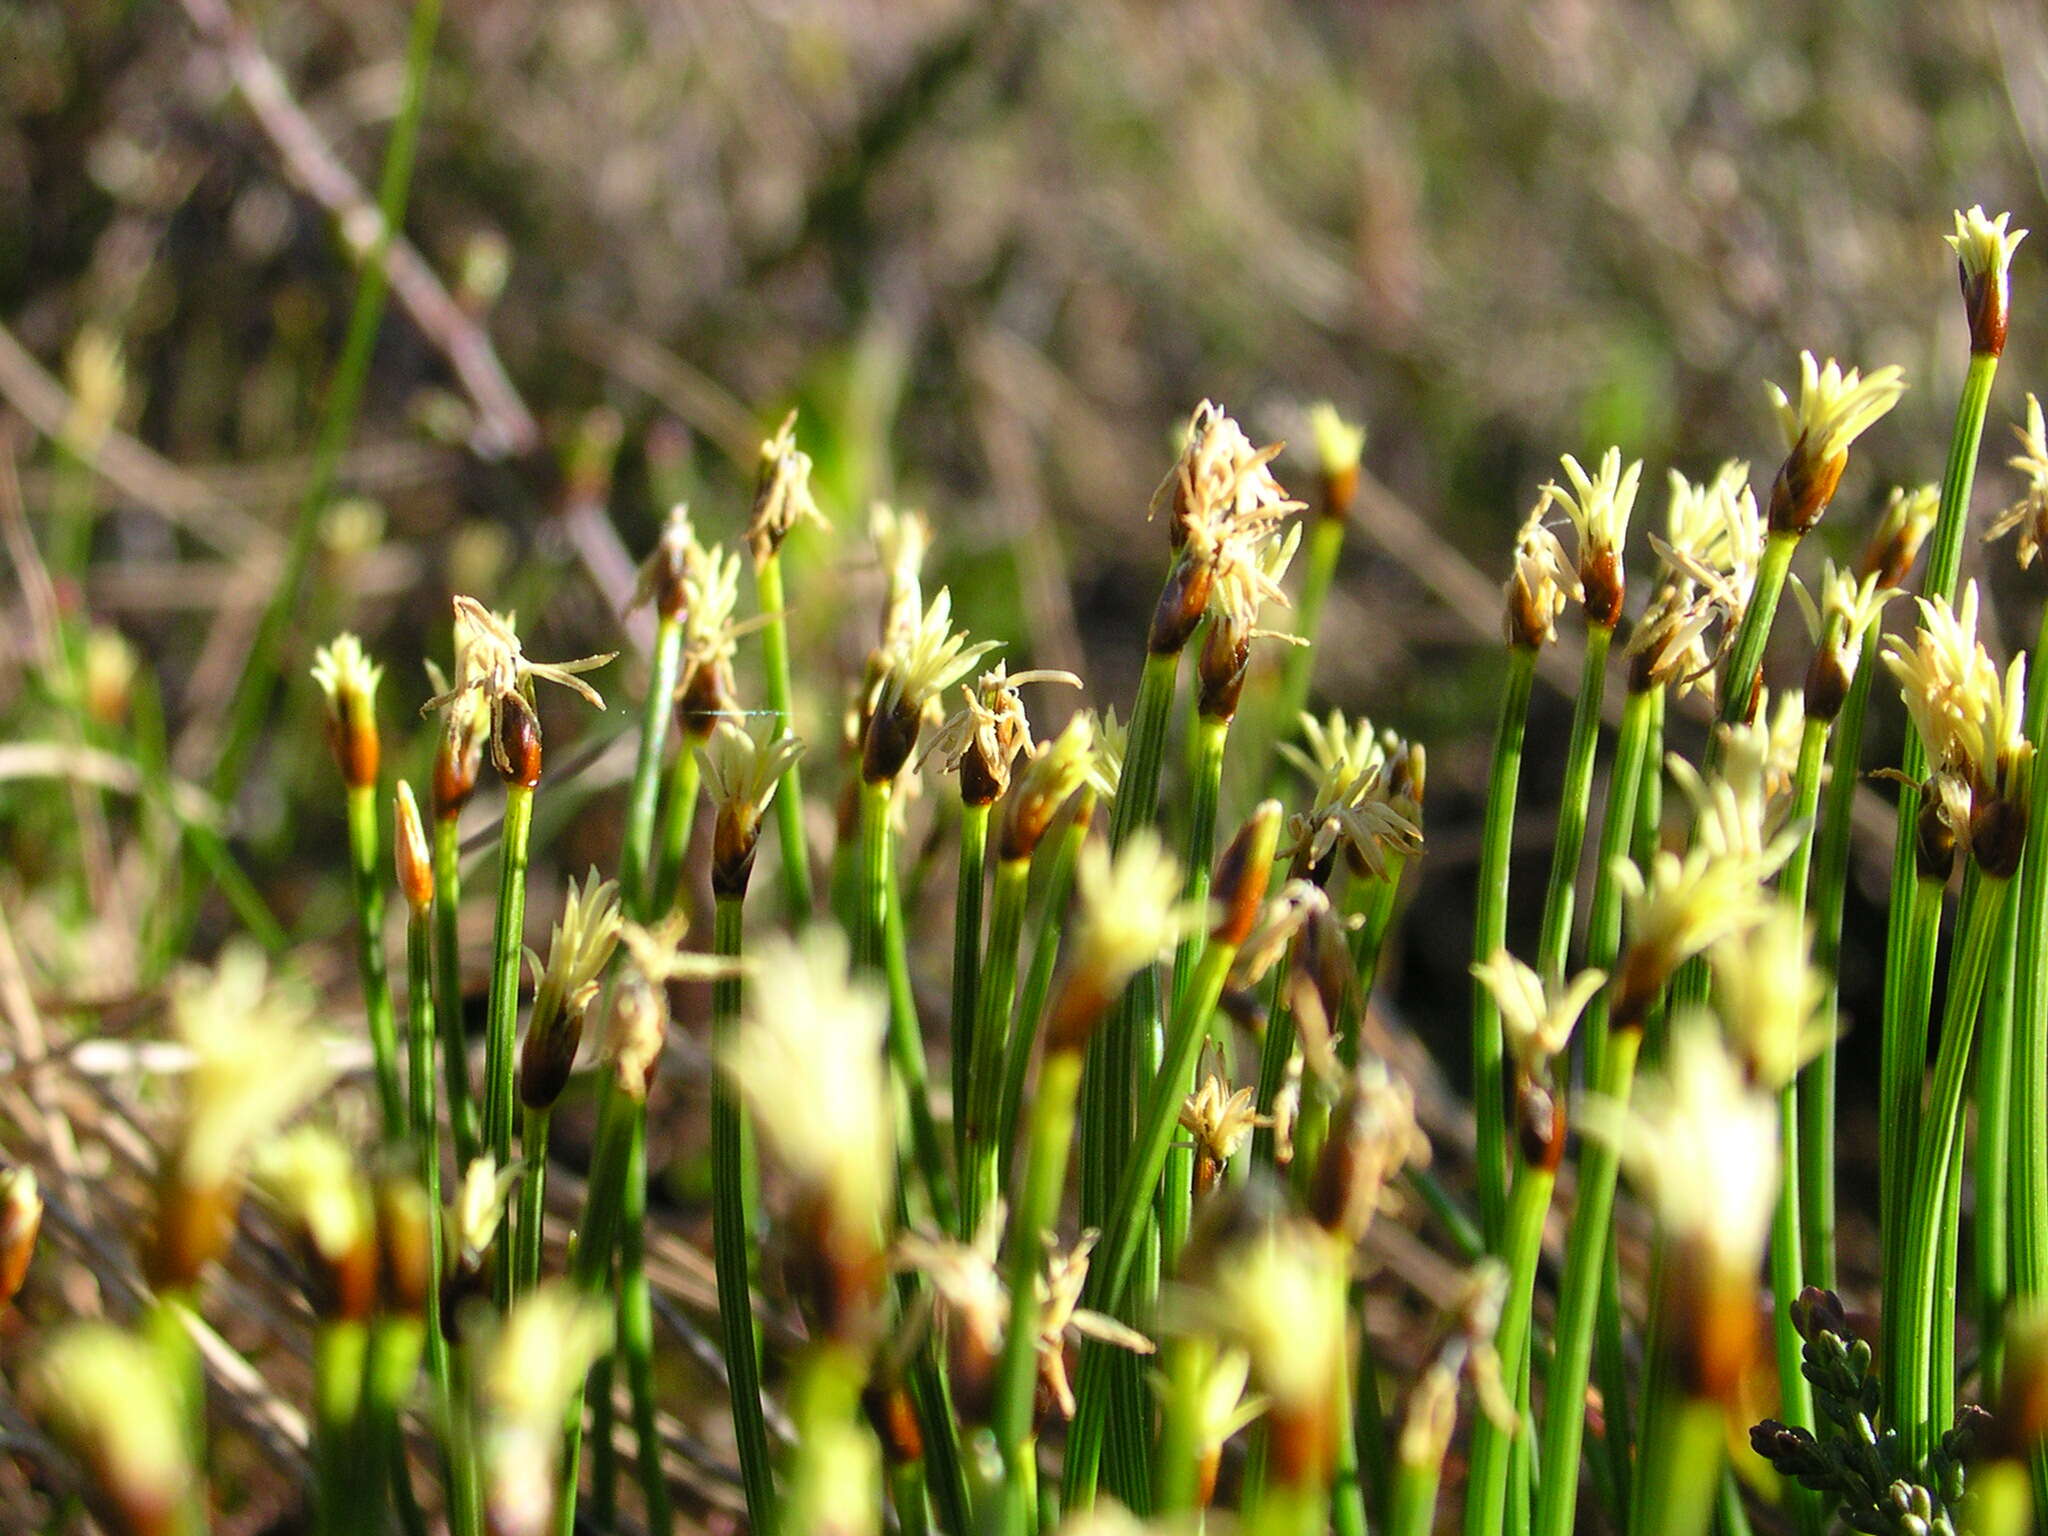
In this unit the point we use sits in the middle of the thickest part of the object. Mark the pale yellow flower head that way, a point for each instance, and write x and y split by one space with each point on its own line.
1340 444
1537 1016
2028 516
1969 718
1599 505
1769 996
1835 405
1278 1296
580 945
1714 536
928 658
1542 584
532 1364
808 1060
1130 907
106 1396
902 539
744 765
1984 245
490 663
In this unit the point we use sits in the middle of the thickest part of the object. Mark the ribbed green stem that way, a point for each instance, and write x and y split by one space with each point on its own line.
980 1161
1571 809
462 1114
1347 1485
340 1353
2030 1005
874 949
789 803
1640 716
1276 1051
249 705
1908 995
1795 1393
732 1236
1680 1470
678 821
1038 1202
1489 933
1753 635
636 854
1045 950
1994 1091
636 1326
590 1266
1178 1469
1945 544
420 1028
1417 1482
1924 1357
533 1198
366 869
1212 737
1587 1246
966 1015
1115 1259
390 1371
1486 1494
500 1054
1826 891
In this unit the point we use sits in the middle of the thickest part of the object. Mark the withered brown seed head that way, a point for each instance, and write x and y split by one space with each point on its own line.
1986 300
1998 835
1803 489
1934 843
1540 1126
1226 656
735 836
1242 873
888 742
1601 577
1827 685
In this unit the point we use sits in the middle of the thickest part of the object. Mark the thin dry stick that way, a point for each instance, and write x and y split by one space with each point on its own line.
504 426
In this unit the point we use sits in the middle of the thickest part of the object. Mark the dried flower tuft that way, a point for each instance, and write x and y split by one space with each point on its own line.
2028 517
490 663
782 493
1542 583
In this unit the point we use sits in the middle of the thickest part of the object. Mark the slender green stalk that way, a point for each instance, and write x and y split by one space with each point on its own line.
390 1370
1909 990
980 1165
966 1015
1486 1496
636 1326
1945 545
1325 544
1829 884
678 821
2030 1005
533 1198
1116 1257
1925 1359
1489 934
366 870
873 948
1587 1249
1753 634
1639 721
1795 1393
249 705
590 1266
636 853
732 1237
1680 1470
1347 1484
1417 1480
1994 1090
789 803
1044 1175
501 1060
1045 949
462 1115
1571 810
1178 1477
1211 737
1276 1050
340 1353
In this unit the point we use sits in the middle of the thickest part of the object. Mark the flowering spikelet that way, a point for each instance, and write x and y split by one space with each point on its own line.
490 662
1541 584
1834 409
531 1366
107 1398
1223 1406
1373 1135
1679 906
1220 1121
1357 814
742 769
312 1179
1052 774
1340 446
1336 748
1909 516
1714 537
1599 505
808 1060
704 680
1063 1321
664 573
1968 718
1129 913
1770 995
1984 248
1538 1016
982 740
348 682
2028 517
1840 610
579 948
1701 1141
902 539
255 1063
782 493
914 668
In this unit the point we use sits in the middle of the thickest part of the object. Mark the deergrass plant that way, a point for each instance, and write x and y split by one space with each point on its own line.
1131 1237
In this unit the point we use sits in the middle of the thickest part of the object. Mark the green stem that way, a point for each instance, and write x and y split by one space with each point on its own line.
1489 934
1945 545
636 1326
462 1116
874 949
789 804
590 1267
1908 996
1211 738
249 706
1045 950
1587 1248
1995 1090
2030 1005
989 1064
1180 1428
1639 722
1347 1487
1417 1481
966 1015
1486 1495
1680 1470
366 870
678 821
1795 1393
1571 810
732 1236
1116 1257
340 1351
500 1053
1753 636
1924 1360
392 1366
636 855
533 1199
1325 544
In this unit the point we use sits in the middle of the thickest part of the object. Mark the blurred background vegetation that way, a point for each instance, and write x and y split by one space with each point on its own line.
995 252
